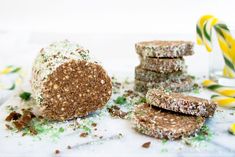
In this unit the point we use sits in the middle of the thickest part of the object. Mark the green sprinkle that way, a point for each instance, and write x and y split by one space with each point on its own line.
196 91
204 134
167 90
193 77
25 96
196 88
142 100
164 150
61 129
120 100
164 141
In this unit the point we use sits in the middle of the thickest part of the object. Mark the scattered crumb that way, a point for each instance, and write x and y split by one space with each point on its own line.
94 124
120 134
25 122
8 127
20 121
130 93
69 147
13 116
187 142
232 113
84 134
115 111
57 151
146 145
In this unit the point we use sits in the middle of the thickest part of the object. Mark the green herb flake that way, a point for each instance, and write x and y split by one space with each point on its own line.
142 100
164 141
25 96
205 134
120 100
61 130
193 77
196 91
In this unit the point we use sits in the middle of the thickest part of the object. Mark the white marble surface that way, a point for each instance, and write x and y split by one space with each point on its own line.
221 144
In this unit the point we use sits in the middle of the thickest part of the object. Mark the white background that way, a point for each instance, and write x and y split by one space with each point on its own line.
121 16
109 28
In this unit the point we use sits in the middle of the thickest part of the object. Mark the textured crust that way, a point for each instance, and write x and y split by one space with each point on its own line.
75 89
163 65
49 58
182 85
148 75
170 49
181 103
163 124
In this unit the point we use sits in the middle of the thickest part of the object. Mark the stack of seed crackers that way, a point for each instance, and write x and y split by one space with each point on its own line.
162 66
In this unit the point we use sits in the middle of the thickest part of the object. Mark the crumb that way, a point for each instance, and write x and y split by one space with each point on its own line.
130 93
146 145
8 127
101 137
24 120
32 131
57 151
187 142
13 116
94 124
120 134
115 111
84 134
69 147
24 134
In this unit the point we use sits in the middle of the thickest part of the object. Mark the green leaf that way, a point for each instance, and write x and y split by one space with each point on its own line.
120 100
25 96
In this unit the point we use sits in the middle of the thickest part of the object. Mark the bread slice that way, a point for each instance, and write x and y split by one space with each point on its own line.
161 49
163 65
163 124
148 75
181 85
181 103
